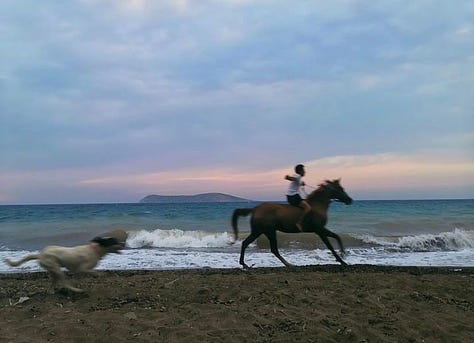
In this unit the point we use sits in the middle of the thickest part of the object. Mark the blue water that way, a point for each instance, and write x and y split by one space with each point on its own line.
198 235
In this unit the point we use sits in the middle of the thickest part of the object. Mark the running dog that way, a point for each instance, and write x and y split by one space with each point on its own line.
82 258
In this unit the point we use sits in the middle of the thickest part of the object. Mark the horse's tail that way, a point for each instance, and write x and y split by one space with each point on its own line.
239 212
23 260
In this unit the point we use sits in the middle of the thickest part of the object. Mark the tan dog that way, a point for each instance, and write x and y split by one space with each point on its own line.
82 258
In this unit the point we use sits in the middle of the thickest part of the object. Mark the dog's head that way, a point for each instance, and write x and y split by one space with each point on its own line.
109 244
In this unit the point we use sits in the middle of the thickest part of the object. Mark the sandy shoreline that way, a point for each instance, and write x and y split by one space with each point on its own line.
307 304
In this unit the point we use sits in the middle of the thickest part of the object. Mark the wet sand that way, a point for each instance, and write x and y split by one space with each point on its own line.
302 304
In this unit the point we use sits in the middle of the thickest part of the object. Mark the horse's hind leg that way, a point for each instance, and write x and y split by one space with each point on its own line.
324 238
253 236
274 248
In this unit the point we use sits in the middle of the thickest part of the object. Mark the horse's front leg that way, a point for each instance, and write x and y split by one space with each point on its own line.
324 237
329 233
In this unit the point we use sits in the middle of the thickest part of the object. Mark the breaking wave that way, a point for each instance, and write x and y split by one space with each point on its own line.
445 241
178 239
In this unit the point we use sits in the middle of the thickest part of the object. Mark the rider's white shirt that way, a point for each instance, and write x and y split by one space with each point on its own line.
294 187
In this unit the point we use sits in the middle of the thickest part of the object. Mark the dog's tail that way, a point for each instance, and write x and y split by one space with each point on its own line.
23 260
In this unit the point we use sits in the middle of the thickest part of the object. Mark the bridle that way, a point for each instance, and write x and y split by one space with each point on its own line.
334 191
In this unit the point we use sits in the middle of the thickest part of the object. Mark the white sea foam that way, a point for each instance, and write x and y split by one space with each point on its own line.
180 259
160 259
176 249
380 256
178 239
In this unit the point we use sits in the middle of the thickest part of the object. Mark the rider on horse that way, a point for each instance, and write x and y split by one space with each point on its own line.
293 194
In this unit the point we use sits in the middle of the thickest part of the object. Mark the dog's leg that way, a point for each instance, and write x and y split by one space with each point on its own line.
54 269
73 289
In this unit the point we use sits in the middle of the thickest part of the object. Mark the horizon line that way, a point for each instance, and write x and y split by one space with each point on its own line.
222 202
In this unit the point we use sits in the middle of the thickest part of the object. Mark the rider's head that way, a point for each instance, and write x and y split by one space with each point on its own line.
299 169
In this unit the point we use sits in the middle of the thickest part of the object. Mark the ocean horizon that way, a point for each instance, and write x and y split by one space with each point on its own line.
282 200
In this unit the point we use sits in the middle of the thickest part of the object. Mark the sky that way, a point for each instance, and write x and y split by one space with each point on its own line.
113 100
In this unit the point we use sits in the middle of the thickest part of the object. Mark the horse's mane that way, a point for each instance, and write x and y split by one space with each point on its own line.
317 193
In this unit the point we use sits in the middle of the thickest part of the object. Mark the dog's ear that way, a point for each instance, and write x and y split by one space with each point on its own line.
96 239
105 241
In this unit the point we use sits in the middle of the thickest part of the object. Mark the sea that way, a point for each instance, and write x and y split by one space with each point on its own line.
199 235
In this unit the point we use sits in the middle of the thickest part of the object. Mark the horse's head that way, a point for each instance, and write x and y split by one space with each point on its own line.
336 191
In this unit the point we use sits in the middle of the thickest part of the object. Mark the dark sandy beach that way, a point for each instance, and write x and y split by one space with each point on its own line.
304 304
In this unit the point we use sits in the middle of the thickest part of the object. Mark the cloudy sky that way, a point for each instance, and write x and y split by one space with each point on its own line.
112 100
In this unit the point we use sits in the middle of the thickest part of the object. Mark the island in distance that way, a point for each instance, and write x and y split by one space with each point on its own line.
206 197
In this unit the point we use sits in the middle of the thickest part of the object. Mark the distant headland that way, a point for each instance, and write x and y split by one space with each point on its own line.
205 197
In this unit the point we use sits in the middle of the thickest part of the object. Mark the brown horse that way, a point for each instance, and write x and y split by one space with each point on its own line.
267 218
